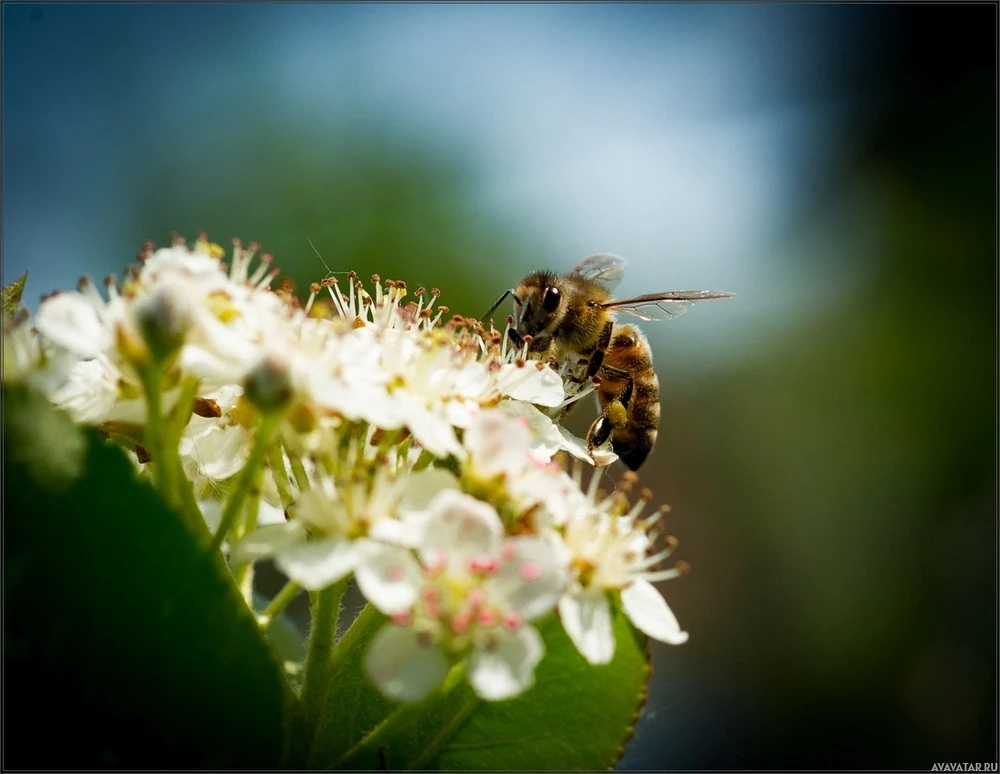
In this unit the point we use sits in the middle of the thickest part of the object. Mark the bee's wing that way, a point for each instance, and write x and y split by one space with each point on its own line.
605 269
663 306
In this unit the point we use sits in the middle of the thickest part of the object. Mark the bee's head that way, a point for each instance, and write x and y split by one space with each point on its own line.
538 306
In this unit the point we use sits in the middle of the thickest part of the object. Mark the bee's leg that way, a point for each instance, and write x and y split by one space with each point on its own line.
625 396
615 414
597 359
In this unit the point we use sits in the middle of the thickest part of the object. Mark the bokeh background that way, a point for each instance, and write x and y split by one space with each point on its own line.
829 438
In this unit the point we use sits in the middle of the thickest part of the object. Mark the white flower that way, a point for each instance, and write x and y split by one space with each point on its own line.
26 361
469 592
510 447
609 551
326 537
72 321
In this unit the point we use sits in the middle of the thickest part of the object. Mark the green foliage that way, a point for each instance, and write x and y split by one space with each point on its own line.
12 296
577 716
117 616
116 621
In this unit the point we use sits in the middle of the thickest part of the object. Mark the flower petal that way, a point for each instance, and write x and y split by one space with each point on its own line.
497 443
649 612
71 321
317 564
462 527
586 617
430 430
546 439
402 666
530 580
388 576
508 668
575 446
424 486
531 384
266 541
408 530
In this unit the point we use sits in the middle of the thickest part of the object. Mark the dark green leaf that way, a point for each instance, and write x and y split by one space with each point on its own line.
353 706
577 716
125 645
12 296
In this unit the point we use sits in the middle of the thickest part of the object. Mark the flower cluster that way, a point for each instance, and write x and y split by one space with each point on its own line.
362 435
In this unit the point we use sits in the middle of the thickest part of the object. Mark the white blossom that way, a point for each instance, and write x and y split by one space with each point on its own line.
421 454
610 551
467 591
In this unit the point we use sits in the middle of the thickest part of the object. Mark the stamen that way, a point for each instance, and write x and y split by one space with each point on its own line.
258 275
314 288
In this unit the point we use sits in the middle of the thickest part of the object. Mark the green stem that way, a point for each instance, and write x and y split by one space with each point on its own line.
299 471
279 603
403 452
243 571
399 719
322 635
447 731
367 618
162 469
276 461
244 485
173 430
366 621
425 459
191 511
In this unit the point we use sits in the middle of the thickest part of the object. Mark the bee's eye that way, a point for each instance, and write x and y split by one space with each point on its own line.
551 299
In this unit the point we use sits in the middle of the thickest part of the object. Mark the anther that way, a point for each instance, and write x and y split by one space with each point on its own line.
206 407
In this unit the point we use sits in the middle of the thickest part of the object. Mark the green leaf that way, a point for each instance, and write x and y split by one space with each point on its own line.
125 644
354 706
576 716
12 296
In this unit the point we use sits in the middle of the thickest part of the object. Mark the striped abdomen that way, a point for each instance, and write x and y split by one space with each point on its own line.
629 352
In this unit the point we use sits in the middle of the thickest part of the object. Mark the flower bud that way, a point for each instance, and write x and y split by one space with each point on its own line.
164 317
268 385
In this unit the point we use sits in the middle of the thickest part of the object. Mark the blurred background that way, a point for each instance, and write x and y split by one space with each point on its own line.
829 438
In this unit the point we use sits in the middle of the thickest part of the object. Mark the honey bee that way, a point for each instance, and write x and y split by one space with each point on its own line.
574 315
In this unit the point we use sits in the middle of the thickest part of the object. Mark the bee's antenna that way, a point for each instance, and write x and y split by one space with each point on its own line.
498 302
329 272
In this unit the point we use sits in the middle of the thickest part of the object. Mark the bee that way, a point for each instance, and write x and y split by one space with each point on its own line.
574 315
